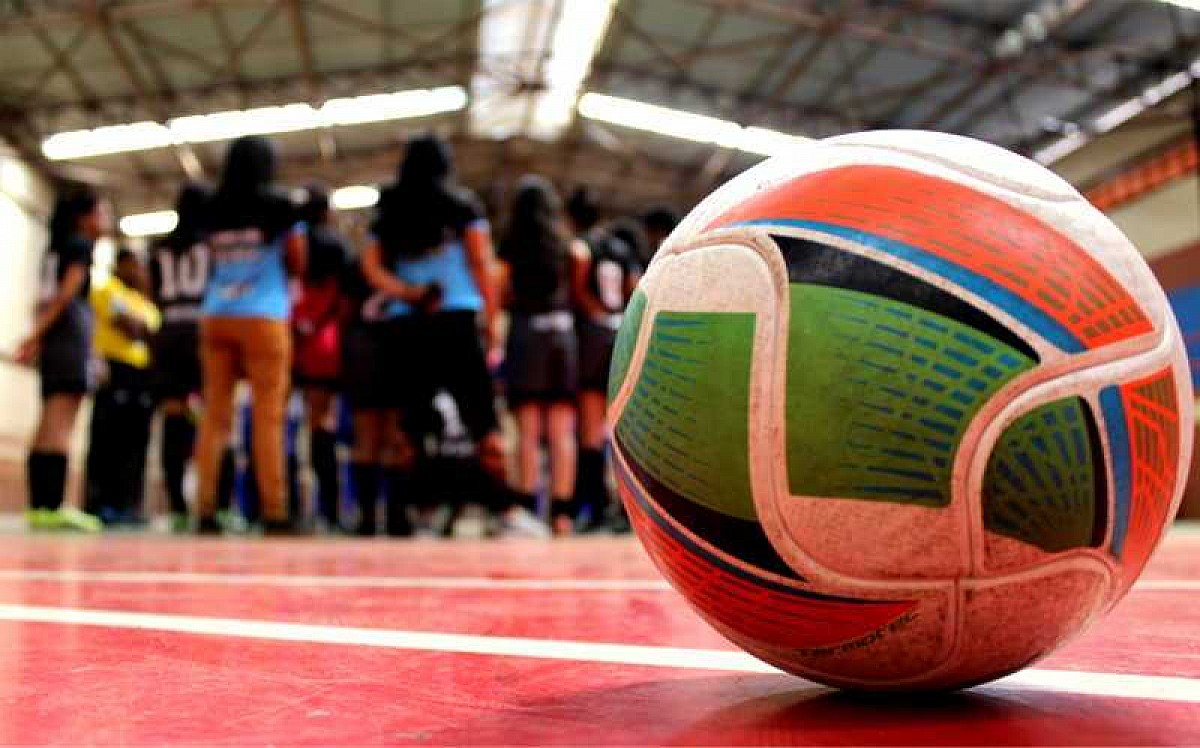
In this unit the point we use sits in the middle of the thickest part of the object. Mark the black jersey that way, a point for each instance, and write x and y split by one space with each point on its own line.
540 277
613 264
178 279
56 261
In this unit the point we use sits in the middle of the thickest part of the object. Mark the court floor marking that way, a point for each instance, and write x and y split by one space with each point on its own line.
309 580
1162 688
396 582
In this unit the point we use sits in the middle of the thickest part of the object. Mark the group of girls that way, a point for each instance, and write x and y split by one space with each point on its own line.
411 335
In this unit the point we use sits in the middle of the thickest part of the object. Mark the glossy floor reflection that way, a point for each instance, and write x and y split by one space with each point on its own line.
140 640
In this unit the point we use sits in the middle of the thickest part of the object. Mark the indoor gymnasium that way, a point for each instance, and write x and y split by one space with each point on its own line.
599 372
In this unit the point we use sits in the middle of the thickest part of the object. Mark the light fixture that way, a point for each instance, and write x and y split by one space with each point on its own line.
677 123
154 223
202 128
353 197
1186 4
400 105
136 136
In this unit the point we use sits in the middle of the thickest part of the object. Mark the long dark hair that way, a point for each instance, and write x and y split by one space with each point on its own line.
70 204
315 211
417 211
189 208
246 195
535 243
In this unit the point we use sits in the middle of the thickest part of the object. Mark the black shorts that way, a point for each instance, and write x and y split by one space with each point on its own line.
176 351
596 343
447 354
541 363
364 379
65 362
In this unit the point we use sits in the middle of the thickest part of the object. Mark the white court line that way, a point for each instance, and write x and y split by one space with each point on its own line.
298 580
390 582
1157 687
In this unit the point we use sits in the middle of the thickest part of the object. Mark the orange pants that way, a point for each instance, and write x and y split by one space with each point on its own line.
260 350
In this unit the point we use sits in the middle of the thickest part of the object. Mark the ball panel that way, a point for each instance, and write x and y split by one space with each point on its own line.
1022 264
1008 623
626 341
686 421
817 263
1144 433
1041 485
882 414
759 606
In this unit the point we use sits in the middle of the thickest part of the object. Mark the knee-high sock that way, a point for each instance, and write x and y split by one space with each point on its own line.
365 477
227 480
178 440
590 490
399 494
46 476
323 456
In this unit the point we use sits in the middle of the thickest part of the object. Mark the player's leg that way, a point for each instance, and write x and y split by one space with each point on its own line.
220 365
321 408
266 355
560 431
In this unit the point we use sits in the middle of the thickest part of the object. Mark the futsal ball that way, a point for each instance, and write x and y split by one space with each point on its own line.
899 410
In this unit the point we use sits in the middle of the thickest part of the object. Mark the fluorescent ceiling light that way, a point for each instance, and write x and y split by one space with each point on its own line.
1061 148
1188 4
676 123
202 128
547 45
149 224
135 136
354 197
400 105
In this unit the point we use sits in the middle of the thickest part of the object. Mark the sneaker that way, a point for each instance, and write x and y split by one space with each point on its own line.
71 519
232 522
284 528
179 523
471 522
40 519
208 526
519 522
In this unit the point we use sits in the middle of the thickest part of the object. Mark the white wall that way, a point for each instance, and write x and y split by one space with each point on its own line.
24 202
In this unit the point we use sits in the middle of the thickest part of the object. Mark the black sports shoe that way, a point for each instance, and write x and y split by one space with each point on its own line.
208 526
283 528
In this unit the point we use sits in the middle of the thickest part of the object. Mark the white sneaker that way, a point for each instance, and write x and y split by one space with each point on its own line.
519 522
471 523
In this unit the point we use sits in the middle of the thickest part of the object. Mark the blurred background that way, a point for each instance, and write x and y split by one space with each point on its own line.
648 102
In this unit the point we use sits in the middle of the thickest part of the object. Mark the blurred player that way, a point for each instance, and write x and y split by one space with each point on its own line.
253 231
61 344
316 326
430 233
179 266
659 223
544 270
612 274
123 408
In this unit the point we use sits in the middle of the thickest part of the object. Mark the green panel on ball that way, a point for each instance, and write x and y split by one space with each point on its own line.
879 393
627 337
686 422
1040 483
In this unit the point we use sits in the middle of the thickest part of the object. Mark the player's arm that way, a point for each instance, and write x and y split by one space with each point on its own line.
581 265
73 279
481 257
385 281
295 252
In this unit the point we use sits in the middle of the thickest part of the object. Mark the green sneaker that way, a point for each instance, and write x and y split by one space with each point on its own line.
180 523
70 518
40 519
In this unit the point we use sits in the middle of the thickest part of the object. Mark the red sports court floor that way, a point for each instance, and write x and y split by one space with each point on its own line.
140 640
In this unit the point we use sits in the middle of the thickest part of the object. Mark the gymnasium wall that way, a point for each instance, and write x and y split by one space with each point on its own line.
24 200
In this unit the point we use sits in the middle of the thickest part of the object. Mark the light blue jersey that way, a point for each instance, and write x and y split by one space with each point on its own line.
249 276
448 267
